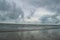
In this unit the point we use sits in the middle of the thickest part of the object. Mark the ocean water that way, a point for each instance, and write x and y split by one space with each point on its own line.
27 32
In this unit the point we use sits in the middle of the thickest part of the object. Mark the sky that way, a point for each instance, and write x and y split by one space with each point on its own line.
30 11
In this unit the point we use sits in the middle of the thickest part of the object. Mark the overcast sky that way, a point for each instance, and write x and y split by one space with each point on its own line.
42 11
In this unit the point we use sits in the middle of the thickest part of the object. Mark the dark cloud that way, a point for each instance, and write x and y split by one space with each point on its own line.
8 11
51 5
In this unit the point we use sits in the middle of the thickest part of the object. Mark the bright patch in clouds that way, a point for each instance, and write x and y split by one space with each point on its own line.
33 19
38 14
42 11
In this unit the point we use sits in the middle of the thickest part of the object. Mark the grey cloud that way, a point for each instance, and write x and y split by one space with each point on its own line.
8 11
51 5
15 8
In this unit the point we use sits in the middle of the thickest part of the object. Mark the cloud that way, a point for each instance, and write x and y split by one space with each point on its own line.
31 10
42 12
9 11
51 5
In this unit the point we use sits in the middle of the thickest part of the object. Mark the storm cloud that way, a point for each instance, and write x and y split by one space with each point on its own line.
30 10
50 5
